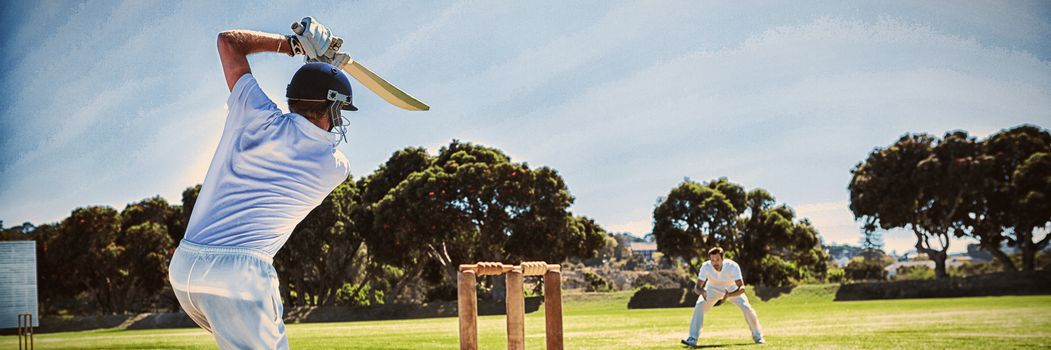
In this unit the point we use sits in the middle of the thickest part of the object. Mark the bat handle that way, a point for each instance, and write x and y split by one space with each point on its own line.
297 28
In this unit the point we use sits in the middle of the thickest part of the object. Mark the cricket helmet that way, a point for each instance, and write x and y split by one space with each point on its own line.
319 81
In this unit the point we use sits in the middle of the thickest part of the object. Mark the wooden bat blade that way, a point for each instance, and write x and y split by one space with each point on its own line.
390 93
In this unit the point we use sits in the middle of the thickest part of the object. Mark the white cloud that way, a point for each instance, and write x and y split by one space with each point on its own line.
403 49
623 99
637 227
791 110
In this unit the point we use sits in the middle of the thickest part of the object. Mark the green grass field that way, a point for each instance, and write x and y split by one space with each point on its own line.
806 318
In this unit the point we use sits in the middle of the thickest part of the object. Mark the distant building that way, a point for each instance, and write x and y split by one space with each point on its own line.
646 249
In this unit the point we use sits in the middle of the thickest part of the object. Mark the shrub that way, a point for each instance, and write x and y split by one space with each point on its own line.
444 291
836 275
355 294
596 283
635 262
971 268
861 269
775 272
911 273
662 279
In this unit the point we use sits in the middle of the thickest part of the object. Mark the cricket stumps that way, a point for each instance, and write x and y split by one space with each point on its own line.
468 301
25 331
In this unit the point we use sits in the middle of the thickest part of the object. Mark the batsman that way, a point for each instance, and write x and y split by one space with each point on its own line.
268 172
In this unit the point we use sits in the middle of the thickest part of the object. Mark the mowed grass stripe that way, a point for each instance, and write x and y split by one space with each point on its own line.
804 318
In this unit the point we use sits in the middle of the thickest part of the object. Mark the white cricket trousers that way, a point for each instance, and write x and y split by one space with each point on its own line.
714 294
231 292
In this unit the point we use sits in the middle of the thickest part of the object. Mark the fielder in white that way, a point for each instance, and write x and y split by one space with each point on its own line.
269 171
720 279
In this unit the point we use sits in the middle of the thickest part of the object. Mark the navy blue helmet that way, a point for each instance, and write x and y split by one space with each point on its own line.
319 81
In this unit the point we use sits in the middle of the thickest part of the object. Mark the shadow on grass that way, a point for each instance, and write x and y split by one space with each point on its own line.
767 293
713 346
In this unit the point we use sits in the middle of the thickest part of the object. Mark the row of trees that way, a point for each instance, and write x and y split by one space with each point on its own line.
772 246
98 259
417 217
996 190
397 233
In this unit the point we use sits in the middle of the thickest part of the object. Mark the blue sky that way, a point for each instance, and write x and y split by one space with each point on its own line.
110 102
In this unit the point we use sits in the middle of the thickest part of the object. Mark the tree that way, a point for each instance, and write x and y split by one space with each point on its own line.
847 251
52 286
148 245
16 233
325 252
892 189
624 240
771 245
995 190
88 255
384 248
948 179
470 203
861 268
775 247
143 270
692 219
156 209
189 198
1017 198
871 240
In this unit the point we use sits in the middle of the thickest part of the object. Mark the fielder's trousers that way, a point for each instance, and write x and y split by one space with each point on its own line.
714 294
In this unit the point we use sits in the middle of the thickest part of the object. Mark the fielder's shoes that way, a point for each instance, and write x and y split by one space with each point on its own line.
759 339
691 342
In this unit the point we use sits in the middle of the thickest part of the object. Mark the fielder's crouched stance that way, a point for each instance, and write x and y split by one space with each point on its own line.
720 279
269 171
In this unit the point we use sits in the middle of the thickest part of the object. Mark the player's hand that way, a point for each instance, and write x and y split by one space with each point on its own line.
698 291
316 39
338 60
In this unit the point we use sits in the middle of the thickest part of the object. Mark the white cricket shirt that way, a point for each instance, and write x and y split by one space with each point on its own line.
725 278
269 171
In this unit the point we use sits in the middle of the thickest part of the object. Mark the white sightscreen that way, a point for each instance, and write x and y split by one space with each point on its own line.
18 291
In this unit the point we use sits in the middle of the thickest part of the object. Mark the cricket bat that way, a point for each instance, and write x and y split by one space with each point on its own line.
390 93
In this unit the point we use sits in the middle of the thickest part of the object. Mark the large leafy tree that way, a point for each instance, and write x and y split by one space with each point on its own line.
55 289
891 189
995 190
154 209
89 256
325 251
774 247
143 273
766 239
383 247
1017 199
470 203
954 180
693 218
189 198
52 286
146 247
119 263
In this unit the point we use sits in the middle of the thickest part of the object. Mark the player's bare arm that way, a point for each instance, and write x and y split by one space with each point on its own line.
236 45
699 287
739 291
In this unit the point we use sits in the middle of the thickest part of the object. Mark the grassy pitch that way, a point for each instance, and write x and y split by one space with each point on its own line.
806 318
